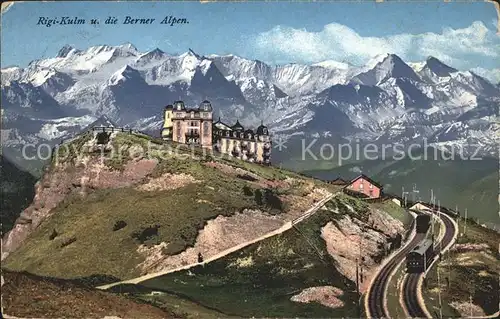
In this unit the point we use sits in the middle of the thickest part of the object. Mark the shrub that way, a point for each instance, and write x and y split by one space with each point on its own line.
258 197
119 225
247 191
146 234
53 235
272 200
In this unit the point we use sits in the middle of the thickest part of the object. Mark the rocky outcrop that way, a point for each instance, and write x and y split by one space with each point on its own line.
78 177
325 295
218 235
351 241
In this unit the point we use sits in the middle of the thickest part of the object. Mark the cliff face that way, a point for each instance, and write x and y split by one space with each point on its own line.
17 187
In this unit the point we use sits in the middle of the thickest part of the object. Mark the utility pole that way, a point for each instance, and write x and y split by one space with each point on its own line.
439 294
361 256
433 203
404 195
470 304
465 223
415 191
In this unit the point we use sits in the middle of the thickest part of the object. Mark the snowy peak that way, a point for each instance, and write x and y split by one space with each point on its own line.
150 57
438 67
435 71
330 64
388 66
66 51
124 74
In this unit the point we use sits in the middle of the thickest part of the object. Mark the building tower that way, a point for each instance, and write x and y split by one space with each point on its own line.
263 144
167 130
206 123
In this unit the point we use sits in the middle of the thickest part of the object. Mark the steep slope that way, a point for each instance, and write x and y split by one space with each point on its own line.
390 66
78 192
307 271
18 189
28 296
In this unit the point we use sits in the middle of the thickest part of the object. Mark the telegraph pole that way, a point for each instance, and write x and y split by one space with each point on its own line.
404 195
433 203
441 241
361 256
470 304
465 223
439 293
415 191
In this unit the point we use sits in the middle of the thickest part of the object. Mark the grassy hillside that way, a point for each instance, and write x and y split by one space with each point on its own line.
261 279
471 184
469 269
26 295
99 233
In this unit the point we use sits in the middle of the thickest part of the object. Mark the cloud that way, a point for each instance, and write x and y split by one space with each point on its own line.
473 46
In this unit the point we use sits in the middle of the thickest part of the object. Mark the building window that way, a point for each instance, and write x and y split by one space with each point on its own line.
371 186
206 128
361 186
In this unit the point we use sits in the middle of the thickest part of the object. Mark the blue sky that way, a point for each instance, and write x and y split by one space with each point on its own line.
461 34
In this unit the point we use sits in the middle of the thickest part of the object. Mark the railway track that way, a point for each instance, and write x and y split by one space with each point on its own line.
411 289
377 291
411 301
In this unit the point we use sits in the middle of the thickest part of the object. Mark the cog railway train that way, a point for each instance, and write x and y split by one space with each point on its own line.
419 259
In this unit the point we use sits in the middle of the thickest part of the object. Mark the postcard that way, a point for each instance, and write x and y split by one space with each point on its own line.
222 159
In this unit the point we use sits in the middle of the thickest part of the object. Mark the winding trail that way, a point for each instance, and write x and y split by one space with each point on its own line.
287 226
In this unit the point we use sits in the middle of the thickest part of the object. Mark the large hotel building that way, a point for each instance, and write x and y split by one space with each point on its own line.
196 126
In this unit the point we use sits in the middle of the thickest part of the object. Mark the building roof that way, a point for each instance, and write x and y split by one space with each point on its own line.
423 246
206 106
262 129
237 126
179 105
392 196
221 125
102 121
169 107
363 176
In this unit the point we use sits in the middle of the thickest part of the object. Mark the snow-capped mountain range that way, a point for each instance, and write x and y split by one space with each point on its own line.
386 100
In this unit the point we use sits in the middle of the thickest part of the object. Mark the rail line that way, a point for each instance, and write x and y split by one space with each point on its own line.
412 284
376 293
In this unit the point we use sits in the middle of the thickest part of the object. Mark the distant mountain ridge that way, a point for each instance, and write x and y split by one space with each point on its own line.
386 100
